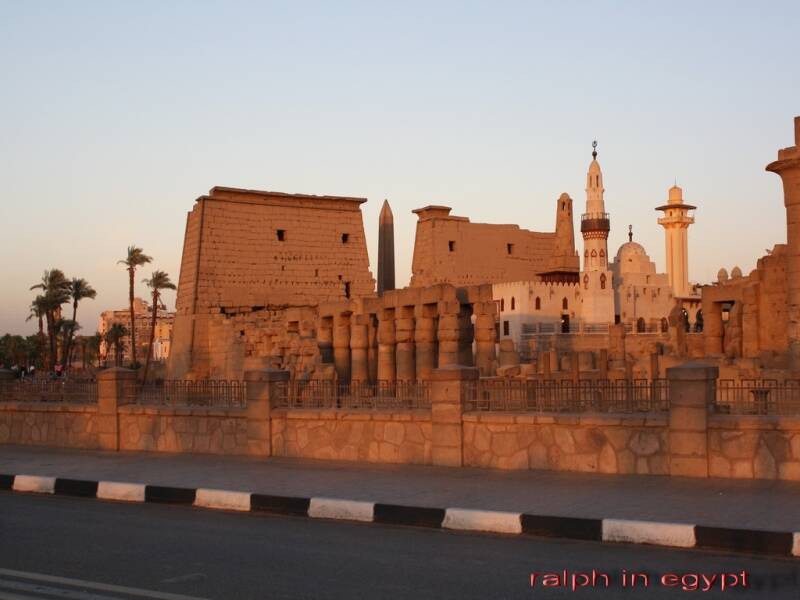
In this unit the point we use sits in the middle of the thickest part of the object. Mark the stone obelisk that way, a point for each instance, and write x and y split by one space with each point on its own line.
385 249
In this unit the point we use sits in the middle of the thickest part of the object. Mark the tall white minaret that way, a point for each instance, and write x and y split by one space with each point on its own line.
676 221
597 298
595 222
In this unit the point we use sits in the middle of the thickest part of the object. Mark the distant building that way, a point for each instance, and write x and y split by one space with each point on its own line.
142 319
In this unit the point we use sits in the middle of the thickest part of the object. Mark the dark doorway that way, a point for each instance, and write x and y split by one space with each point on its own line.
564 323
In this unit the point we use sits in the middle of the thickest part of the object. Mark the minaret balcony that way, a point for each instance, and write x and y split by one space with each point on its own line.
595 221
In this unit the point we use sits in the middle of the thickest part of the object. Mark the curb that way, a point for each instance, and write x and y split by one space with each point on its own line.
673 535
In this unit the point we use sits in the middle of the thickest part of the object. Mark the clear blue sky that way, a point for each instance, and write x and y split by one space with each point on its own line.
115 116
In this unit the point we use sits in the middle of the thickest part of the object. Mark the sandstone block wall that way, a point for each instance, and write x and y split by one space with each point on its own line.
618 444
451 249
39 424
365 436
749 447
250 251
195 430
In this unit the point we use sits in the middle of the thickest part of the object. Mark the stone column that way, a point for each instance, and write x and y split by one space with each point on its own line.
263 388
447 389
691 394
325 339
576 368
466 335
712 328
602 365
485 337
448 333
751 344
359 343
788 168
425 339
404 350
341 346
545 356
386 341
115 386
654 370
372 348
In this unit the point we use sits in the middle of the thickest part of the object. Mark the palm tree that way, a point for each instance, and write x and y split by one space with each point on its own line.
114 336
78 290
136 258
38 311
93 344
158 281
55 288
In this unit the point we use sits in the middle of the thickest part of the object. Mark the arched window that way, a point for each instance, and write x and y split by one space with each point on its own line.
502 304
586 282
602 257
664 325
538 303
602 281
513 303
640 325
698 321
585 254
564 304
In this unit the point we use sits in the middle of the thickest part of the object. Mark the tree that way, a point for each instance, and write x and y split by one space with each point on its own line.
114 337
55 292
93 345
38 311
78 290
158 281
136 258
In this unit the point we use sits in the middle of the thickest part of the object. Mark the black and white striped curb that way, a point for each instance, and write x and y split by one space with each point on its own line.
676 535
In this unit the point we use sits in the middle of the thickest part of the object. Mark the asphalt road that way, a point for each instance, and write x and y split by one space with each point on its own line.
81 549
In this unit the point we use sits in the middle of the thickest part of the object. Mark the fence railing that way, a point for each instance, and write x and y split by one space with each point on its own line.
400 395
757 397
78 392
176 392
601 396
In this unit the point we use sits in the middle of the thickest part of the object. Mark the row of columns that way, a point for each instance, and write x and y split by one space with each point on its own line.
406 343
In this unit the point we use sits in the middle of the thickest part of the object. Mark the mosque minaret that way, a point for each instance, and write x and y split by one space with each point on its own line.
676 221
596 280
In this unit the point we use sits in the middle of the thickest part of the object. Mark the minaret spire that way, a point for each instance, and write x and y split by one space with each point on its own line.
630 233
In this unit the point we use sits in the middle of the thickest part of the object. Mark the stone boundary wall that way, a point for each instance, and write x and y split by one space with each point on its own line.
619 444
42 424
686 441
754 447
190 430
364 436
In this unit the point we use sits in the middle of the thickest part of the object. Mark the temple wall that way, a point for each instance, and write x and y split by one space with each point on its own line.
620 444
188 430
40 424
754 447
364 436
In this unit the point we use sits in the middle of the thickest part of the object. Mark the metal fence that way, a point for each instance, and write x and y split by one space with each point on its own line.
176 392
757 397
599 396
402 395
78 392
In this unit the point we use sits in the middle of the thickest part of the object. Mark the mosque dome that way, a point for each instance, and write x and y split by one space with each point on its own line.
736 273
632 258
630 250
675 195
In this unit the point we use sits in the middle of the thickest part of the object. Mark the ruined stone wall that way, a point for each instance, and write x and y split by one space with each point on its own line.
187 430
364 436
619 444
39 424
248 252
450 249
749 447
757 324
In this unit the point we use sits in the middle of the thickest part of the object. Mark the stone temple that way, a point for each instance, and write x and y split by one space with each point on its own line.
281 280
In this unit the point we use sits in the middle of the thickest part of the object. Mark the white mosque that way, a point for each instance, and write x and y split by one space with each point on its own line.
628 290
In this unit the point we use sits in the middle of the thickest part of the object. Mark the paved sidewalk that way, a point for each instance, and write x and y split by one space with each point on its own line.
767 505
